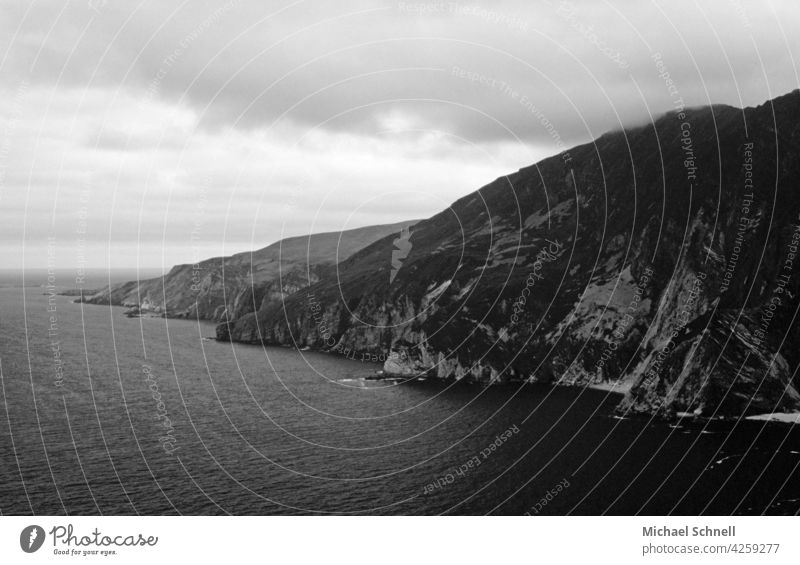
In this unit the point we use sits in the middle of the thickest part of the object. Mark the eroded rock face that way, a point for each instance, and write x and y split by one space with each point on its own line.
230 287
646 258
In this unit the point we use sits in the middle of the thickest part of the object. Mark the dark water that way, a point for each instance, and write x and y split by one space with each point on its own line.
274 431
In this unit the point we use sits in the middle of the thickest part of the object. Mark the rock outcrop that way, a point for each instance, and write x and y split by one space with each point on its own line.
661 259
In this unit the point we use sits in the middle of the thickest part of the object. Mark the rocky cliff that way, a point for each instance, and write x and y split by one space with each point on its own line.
661 260
233 286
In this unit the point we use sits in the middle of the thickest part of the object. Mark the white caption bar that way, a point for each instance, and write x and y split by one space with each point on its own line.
399 540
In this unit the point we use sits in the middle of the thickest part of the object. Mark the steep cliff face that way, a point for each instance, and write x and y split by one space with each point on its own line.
660 259
230 287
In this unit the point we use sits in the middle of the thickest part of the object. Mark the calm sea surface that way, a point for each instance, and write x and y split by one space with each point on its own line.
274 431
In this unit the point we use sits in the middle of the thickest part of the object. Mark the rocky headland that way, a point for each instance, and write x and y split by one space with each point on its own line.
660 260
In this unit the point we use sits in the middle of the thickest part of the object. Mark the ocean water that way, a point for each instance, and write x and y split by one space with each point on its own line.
86 394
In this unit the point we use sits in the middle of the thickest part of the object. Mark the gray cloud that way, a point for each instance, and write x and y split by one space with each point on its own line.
251 63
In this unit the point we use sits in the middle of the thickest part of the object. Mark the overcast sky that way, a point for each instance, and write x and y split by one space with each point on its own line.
161 132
